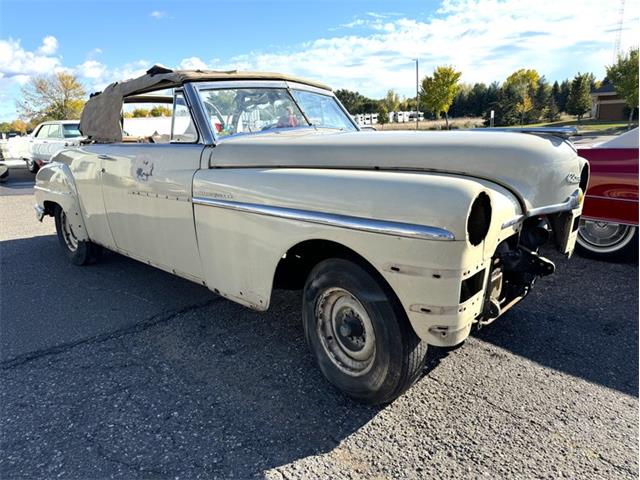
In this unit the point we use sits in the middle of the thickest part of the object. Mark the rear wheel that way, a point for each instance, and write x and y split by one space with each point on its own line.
79 252
32 166
607 240
359 333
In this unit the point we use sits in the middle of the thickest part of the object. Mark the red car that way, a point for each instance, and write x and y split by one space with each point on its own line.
609 225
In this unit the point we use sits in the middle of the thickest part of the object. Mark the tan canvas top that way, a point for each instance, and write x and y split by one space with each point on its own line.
101 118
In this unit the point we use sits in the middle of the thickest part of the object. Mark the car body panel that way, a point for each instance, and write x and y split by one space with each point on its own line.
612 195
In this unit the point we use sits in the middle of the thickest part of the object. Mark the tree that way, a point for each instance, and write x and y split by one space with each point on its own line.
19 126
383 114
160 111
565 89
392 101
140 113
55 97
524 82
624 76
439 91
579 101
540 100
352 101
5 127
551 111
505 107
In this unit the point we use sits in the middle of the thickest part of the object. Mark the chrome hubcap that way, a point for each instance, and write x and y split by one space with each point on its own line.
345 331
604 236
69 236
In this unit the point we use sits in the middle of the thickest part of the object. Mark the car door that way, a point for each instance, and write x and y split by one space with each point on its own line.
147 196
55 142
38 142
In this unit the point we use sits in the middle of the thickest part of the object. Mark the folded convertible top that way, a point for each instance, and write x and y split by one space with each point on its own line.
101 119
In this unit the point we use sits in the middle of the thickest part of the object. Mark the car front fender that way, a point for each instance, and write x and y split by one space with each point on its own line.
55 186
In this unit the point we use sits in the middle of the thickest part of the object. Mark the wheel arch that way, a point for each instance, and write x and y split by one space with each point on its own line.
296 263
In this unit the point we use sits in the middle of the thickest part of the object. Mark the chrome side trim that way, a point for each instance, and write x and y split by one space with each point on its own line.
384 227
572 202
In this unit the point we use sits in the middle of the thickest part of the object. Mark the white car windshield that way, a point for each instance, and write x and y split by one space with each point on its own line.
234 111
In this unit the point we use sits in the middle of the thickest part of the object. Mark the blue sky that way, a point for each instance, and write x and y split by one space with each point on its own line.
362 45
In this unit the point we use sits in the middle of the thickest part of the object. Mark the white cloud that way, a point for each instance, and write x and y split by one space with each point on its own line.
192 63
485 39
91 69
16 61
49 45
158 14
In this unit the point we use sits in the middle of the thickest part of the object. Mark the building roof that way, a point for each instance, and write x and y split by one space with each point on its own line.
100 119
606 88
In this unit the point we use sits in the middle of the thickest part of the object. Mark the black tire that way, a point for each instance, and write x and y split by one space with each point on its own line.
607 241
32 166
398 355
79 252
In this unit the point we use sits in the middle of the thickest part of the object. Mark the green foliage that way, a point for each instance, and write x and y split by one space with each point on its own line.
5 127
160 111
579 101
54 97
140 113
383 114
551 112
624 76
352 101
391 101
505 107
439 91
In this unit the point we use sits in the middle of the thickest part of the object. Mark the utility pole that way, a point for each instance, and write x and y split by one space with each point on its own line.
417 94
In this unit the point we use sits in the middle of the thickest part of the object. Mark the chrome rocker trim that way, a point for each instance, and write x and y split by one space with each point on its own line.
384 227
572 202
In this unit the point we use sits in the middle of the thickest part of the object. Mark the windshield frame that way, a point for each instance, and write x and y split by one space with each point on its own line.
202 87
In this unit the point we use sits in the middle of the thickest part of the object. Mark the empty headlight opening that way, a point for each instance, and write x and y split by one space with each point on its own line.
479 219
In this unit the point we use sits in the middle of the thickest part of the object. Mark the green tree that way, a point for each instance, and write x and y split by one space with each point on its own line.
565 89
352 101
140 113
540 100
391 101
579 101
505 107
5 127
439 91
524 82
551 112
383 114
624 76
55 97
160 111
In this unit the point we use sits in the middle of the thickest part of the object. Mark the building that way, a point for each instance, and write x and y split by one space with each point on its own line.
607 104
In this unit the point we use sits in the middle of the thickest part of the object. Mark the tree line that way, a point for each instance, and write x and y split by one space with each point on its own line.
525 96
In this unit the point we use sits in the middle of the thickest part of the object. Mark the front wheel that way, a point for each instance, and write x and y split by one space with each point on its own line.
358 332
79 252
607 240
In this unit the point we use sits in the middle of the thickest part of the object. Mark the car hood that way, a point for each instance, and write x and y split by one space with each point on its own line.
539 170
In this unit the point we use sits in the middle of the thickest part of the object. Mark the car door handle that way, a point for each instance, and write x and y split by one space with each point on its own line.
105 157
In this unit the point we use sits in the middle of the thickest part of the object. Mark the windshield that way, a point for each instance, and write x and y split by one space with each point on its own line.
234 111
70 130
322 110
248 110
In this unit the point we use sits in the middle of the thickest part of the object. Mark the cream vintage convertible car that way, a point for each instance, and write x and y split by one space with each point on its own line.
261 181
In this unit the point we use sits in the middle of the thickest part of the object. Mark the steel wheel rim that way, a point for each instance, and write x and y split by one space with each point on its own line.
68 235
345 331
604 237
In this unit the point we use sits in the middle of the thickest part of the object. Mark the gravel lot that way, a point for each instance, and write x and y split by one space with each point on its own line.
122 371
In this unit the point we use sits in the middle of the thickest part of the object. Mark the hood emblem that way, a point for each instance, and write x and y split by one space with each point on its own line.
572 179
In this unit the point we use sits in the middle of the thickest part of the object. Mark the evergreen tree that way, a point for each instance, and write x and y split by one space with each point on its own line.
579 101
565 88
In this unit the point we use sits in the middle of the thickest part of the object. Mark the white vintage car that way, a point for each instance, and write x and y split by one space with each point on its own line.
397 239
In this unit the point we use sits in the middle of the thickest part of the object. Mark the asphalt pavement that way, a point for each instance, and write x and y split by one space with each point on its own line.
119 370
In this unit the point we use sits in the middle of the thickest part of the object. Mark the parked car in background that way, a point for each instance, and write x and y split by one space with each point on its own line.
49 138
609 224
397 240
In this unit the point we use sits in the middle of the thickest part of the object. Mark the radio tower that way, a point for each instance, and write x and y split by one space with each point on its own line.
616 45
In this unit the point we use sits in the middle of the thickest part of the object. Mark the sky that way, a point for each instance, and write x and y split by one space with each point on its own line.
363 45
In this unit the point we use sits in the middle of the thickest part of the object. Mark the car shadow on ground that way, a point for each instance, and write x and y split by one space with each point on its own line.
185 382
577 324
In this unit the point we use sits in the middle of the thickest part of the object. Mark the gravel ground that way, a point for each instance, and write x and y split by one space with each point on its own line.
122 371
